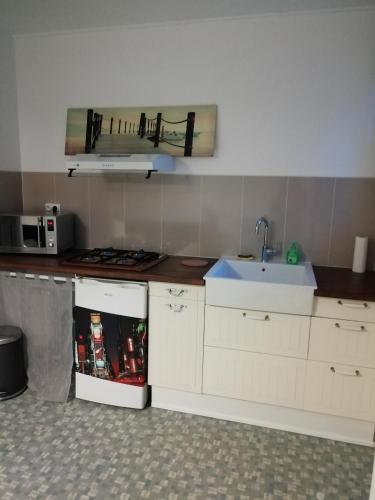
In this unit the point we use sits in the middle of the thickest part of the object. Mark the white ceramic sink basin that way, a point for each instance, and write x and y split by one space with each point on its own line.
270 286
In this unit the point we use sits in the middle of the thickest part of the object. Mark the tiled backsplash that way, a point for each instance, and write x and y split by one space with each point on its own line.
213 215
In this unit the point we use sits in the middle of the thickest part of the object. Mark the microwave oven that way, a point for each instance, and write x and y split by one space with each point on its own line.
39 234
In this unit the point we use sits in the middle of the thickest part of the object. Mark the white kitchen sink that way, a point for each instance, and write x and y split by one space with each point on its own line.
263 286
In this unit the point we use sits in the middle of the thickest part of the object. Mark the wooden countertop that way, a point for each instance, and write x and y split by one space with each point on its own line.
170 270
331 281
343 283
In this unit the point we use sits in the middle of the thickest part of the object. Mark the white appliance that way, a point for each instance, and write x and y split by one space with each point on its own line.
110 329
92 163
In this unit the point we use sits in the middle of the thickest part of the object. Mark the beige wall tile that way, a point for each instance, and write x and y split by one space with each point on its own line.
10 192
354 215
143 212
73 193
208 215
263 197
221 216
308 218
38 188
181 214
107 211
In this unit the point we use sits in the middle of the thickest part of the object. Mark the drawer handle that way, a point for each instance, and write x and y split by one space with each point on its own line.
256 318
351 328
175 292
356 373
177 308
364 305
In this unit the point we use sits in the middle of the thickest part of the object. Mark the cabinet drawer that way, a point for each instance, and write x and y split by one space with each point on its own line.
344 309
254 377
342 341
341 390
176 291
270 333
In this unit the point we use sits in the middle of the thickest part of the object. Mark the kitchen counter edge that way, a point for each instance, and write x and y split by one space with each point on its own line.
170 270
332 281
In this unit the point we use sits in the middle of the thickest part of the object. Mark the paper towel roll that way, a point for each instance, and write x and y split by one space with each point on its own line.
360 254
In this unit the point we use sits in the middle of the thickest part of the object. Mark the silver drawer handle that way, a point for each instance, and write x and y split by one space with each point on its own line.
364 305
356 373
360 328
176 292
256 318
177 308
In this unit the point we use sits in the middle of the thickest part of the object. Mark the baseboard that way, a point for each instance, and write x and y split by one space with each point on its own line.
274 417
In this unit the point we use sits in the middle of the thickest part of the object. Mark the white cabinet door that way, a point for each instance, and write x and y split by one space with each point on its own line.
254 377
342 341
175 343
341 390
256 331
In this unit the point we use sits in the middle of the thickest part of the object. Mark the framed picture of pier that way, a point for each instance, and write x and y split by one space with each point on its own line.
173 130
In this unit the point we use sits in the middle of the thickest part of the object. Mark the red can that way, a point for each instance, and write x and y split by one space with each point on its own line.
130 344
133 366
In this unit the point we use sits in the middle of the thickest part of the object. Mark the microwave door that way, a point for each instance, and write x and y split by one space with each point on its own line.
33 233
41 232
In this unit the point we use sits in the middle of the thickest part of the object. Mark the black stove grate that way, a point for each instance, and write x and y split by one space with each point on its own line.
137 260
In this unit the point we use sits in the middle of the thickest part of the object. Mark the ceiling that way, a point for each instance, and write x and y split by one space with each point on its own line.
36 16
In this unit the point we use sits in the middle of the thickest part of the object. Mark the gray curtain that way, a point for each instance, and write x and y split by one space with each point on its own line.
42 308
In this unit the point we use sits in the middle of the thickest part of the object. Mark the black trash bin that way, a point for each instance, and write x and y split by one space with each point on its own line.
12 362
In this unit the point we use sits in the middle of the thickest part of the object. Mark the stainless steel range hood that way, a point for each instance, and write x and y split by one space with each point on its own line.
102 164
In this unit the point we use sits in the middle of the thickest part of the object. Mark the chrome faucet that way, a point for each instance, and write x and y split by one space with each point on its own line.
267 251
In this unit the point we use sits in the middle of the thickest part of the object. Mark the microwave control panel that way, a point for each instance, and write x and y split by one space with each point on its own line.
51 232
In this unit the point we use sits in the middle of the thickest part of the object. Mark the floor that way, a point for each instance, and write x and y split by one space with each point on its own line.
81 450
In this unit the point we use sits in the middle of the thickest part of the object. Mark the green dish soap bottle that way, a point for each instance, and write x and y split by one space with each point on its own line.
293 255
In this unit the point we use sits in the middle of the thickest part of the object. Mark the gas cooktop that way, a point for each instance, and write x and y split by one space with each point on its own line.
110 258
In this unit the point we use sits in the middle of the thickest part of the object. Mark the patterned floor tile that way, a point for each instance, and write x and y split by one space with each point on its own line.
80 450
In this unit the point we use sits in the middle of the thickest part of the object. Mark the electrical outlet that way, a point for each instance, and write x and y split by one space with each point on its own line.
52 207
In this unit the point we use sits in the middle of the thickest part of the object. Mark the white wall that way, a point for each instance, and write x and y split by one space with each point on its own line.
9 145
37 16
295 93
